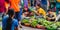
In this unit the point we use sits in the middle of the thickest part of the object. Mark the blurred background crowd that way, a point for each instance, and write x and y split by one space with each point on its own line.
48 9
23 7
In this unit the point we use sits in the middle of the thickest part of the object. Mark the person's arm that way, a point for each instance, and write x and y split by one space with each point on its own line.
36 12
43 12
48 18
54 16
16 28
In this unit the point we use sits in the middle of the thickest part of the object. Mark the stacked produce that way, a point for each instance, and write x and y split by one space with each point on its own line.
34 23
41 23
49 25
25 22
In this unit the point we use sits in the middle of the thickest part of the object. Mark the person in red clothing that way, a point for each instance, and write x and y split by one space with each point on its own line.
2 6
6 5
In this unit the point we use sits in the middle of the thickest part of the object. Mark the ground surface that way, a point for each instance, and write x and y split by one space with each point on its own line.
29 28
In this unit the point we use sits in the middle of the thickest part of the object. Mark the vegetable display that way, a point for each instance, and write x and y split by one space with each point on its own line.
41 21
25 21
34 23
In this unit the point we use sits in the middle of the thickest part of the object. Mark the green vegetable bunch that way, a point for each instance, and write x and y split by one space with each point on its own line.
49 25
57 23
34 23
25 21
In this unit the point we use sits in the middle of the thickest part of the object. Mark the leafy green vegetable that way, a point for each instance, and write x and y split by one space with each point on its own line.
34 23
57 23
49 25
25 21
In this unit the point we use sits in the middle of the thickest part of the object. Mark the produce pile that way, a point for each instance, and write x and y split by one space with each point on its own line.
41 23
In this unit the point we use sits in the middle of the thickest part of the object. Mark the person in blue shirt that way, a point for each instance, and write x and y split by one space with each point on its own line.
8 21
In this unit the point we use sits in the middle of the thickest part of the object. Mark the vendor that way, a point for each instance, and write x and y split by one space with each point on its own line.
51 15
39 11
26 11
